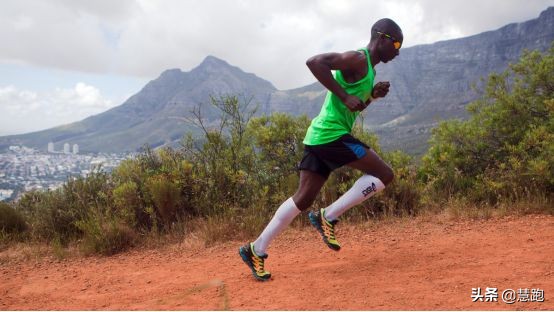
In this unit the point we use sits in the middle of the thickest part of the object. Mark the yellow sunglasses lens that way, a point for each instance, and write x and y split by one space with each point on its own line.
396 45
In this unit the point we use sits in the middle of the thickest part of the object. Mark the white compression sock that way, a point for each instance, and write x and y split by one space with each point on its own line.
282 218
362 189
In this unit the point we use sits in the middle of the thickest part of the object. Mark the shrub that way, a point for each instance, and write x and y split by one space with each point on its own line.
105 235
128 203
49 216
505 150
52 214
403 195
166 197
11 220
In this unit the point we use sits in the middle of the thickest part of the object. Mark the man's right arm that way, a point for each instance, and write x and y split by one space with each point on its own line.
321 66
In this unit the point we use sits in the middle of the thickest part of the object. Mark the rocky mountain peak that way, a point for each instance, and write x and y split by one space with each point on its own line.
171 73
548 13
212 60
212 64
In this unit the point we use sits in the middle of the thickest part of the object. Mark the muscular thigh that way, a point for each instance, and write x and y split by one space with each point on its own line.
373 165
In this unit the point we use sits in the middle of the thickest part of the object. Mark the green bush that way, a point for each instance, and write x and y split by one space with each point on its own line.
49 215
157 186
53 214
505 150
11 220
128 203
166 197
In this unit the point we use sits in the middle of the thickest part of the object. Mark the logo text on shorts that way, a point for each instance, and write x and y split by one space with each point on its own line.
370 189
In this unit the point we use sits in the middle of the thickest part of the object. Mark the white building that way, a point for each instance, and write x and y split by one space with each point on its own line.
50 147
75 149
66 149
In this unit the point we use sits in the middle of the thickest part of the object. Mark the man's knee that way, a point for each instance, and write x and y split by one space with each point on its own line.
384 173
387 176
303 201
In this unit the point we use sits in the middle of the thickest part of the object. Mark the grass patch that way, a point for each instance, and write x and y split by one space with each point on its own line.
460 209
212 230
105 237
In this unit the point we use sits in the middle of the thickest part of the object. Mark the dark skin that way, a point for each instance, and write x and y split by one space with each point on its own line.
353 65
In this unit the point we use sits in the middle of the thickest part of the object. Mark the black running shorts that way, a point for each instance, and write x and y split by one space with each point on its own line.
327 157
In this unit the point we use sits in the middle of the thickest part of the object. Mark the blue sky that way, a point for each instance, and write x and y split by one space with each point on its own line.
42 79
34 98
64 60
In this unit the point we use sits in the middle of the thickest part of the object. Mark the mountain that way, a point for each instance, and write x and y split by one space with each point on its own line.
428 83
153 115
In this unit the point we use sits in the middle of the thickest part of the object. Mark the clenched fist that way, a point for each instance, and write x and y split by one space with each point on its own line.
380 89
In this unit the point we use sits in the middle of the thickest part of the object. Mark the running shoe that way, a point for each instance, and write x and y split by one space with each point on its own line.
254 262
325 227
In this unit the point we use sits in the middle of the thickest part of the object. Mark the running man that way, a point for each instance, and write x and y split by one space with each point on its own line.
329 145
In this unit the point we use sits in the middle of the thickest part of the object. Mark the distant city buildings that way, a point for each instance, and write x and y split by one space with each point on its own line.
22 149
23 169
67 149
5 194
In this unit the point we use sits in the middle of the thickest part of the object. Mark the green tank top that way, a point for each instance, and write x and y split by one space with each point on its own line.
335 119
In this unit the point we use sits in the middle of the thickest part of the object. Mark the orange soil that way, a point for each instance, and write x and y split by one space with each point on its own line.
398 265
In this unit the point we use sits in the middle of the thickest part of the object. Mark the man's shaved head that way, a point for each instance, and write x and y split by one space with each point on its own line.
388 26
386 41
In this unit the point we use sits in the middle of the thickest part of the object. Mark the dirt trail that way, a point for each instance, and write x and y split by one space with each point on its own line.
400 265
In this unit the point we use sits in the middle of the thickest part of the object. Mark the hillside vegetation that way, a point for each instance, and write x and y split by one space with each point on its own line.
229 184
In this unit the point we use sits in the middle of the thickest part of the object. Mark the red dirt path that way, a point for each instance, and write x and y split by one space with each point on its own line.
399 265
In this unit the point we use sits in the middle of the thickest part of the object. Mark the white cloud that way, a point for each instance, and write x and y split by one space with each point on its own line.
26 111
270 38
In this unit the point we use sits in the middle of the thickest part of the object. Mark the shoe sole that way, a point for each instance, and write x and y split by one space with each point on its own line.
246 260
317 225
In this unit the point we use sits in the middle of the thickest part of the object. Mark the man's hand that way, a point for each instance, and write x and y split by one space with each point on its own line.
353 103
380 89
